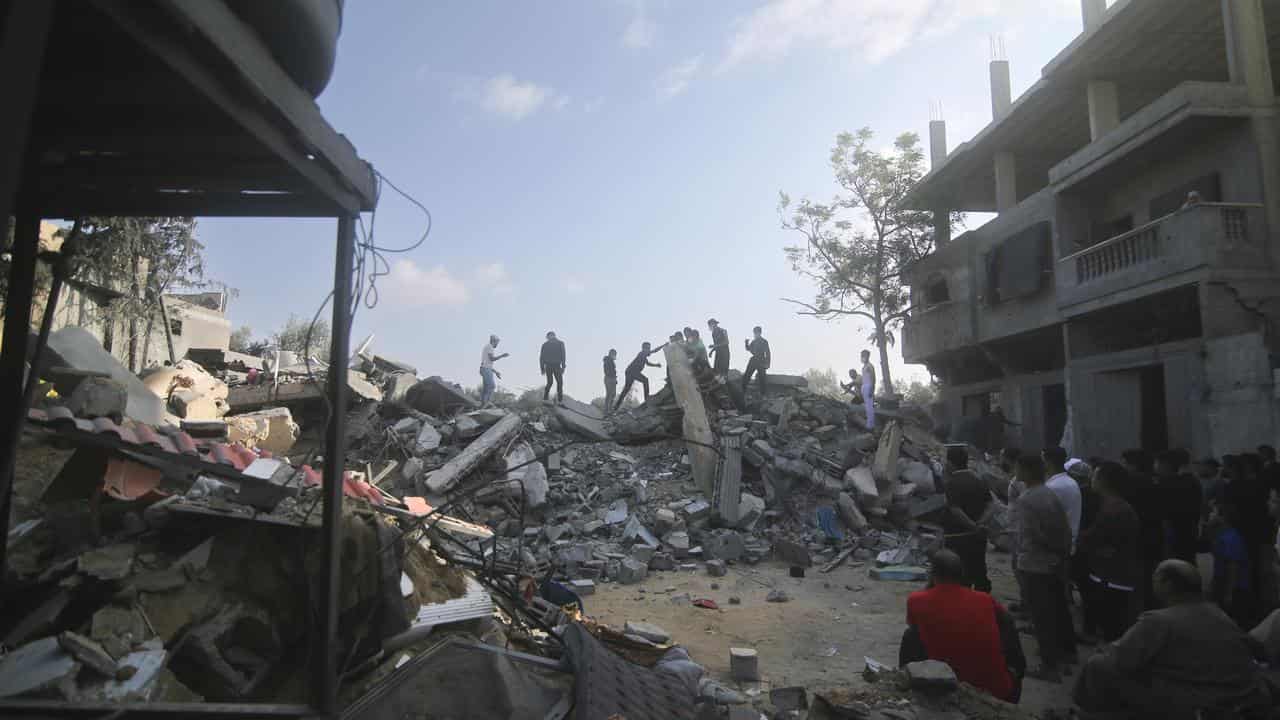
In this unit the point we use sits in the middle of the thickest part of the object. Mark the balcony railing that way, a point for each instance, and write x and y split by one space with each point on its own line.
1205 234
936 329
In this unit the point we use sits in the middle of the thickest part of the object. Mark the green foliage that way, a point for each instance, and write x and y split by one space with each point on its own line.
241 339
824 382
856 247
293 337
922 394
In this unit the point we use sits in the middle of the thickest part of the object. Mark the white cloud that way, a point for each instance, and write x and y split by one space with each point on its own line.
677 78
871 30
507 96
640 31
494 277
416 286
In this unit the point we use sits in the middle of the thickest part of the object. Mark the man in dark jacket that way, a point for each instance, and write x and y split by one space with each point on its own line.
719 347
635 373
552 361
610 379
967 500
1110 550
760 360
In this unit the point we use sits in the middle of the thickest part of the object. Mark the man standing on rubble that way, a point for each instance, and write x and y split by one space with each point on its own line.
967 500
610 379
552 361
635 373
719 347
760 360
488 356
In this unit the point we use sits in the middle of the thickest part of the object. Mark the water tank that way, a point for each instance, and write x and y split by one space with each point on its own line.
301 34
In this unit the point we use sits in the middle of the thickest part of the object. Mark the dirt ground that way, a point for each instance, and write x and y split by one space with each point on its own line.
817 639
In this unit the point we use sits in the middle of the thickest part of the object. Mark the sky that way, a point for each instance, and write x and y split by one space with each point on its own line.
610 169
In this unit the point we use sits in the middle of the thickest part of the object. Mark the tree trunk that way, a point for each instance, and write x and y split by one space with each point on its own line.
885 375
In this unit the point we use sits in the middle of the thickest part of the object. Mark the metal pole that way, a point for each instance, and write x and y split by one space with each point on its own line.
24 31
13 360
334 456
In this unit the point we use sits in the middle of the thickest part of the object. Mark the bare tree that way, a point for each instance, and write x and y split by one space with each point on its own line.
857 246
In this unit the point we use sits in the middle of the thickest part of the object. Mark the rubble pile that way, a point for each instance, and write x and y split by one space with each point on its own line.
178 559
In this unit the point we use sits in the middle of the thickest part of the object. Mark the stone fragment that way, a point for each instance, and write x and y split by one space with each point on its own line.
427 441
932 676
904 573
396 388
466 428
643 553
635 530
778 595
735 600
583 587
88 652
744 664
648 631
617 512
717 568
112 562
96 397
750 509
631 571
850 515
488 416
723 545
862 483
787 699
410 471
272 429
791 552
662 561
664 521
678 543
697 510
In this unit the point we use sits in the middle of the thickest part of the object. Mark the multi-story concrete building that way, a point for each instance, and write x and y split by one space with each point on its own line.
1127 291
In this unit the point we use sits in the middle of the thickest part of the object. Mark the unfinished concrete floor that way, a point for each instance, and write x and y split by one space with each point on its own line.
817 639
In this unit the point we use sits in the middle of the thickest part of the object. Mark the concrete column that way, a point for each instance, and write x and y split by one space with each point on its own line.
1093 12
1104 108
938 155
1248 63
1006 181
1001 89
1248 59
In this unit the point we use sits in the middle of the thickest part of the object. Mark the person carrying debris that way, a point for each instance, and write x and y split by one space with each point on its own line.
869 389
760 360
610 379
719 347
488 356
551 360
635 373
966 629
967 500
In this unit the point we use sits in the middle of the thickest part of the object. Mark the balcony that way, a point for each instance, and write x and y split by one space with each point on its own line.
1171 251
936 329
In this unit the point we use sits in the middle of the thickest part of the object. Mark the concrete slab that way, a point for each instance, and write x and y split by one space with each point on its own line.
41 667
74 347
582 419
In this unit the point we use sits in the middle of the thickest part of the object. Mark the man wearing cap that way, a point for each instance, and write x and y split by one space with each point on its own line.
719 347
488 356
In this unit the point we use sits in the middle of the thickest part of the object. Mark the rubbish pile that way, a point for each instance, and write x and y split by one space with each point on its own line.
177 559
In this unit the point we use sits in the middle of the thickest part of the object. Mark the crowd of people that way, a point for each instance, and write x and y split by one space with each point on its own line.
1125 539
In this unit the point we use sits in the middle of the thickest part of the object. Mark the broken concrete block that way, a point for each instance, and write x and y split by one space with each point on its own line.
885 466
581 419
791 552
465 462
88 652
617 512
117 629
664 521
583 587
410 471
723 545
662 561
788 699
697 510
427 441
750 509
466 428
917 474
648 631
678 543
407 425
436 397
744 664
932 676
717 568
850 515
903 573
74 347
862 483
632 571
777 595
96 397
488 416
271 429
643 554
635 530
794 468
112 562
396 387
190 405
38 668
138 678
903 490
530 473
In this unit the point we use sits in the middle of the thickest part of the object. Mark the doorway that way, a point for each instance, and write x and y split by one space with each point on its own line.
1054 398
1155 419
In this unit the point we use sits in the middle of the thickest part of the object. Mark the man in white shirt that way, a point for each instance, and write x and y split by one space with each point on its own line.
869 390
488 356
1065 487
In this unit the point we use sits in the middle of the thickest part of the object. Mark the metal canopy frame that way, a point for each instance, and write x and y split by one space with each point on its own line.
154 108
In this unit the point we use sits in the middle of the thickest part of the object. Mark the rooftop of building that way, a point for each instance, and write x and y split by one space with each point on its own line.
1146 47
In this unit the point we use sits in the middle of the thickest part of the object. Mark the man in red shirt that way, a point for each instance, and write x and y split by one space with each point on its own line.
964 628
